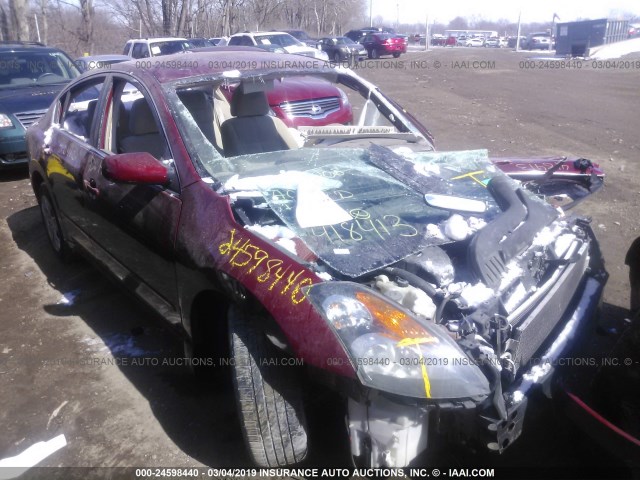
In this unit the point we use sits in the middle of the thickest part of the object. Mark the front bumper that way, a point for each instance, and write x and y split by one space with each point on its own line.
391 432
13 152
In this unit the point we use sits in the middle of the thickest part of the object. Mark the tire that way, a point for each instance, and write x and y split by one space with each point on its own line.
336 57
52 224
370 53
375 54
396 55
268 397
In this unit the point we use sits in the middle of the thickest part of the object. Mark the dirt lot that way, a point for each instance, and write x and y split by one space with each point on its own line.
54 356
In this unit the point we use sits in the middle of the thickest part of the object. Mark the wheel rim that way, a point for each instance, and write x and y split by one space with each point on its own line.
51 223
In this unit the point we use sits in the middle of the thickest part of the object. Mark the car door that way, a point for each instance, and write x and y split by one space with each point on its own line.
136 224
70 147
368 42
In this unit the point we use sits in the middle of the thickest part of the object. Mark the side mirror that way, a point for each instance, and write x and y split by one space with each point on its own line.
138 167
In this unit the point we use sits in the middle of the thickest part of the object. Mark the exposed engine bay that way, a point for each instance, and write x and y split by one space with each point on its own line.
479 279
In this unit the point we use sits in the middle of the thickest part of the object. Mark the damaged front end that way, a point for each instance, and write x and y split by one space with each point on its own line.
451 287
452 305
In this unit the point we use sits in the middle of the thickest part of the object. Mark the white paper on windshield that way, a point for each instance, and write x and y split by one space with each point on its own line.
315 209
155 50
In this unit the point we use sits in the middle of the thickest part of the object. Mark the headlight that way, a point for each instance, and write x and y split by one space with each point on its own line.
394 352
5 121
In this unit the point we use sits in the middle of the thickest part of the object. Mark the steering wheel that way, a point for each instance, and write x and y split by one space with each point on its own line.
45 75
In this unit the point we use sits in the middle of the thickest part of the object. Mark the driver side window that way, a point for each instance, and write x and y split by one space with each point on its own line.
79 109
135 127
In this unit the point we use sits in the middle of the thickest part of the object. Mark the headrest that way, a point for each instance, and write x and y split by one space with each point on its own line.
198 104
249 104
141 120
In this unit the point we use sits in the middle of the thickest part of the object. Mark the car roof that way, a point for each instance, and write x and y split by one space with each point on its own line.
156 39
106 57
271 33
213 61
26 47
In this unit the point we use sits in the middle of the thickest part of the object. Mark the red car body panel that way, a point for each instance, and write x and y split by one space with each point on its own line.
210 241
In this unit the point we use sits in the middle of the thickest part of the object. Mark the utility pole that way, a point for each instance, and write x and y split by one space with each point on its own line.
426 34
371 13
518 37
35 16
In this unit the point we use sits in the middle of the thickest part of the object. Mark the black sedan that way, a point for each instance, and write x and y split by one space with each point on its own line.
342 49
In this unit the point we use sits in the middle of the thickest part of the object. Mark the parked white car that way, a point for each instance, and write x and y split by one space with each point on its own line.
278 42
153 47
474 42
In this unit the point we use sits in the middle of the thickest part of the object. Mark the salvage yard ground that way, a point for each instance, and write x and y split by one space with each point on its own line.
68 337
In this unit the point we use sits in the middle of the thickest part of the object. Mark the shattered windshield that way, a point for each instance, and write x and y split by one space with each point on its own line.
360 195
351 213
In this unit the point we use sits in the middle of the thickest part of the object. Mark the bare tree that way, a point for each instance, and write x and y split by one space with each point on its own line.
264 11
459 23
43 21
18 10
85 33
4 23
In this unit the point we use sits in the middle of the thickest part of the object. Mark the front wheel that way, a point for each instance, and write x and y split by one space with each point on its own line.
52 224
375 54
396 55
268 395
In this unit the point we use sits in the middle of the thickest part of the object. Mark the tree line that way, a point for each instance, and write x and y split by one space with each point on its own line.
102 26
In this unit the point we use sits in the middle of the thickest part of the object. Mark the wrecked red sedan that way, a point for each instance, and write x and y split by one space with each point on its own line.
428 288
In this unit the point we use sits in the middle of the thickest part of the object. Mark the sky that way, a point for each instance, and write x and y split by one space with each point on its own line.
442 11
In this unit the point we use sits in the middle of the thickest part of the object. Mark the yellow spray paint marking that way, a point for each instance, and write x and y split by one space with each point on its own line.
472 176
252 260
416 342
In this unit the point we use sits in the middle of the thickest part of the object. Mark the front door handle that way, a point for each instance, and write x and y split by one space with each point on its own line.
91 187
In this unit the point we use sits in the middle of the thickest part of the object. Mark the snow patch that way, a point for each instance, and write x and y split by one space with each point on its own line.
288 245
563 243
474 295
513 272
324 276
283 236
31 457
471 295
538 372
433 231
456 228
272 232
444 272
547 236
476 223
518 396
617 50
